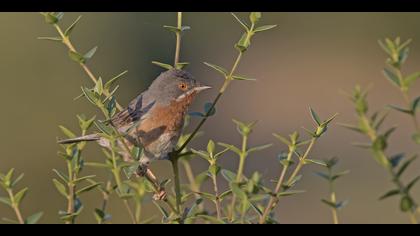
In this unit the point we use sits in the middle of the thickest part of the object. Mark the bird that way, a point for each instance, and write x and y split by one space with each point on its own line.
154 119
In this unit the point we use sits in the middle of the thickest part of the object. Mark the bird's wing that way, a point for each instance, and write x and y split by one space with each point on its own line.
134 113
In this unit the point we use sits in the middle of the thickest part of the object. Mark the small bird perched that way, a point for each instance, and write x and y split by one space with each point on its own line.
154 119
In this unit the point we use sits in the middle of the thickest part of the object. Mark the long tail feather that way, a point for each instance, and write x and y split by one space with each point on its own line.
90 137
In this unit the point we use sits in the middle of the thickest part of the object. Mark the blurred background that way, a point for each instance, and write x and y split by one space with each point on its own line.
303 62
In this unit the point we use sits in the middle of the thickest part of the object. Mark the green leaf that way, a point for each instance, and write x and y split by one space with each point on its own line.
379 144
282 139
87 188
214 170
323 175
33 219
172 28
409 80
243 43
341 204
412 183
85 124
113 80
97 165
181 65
405 166
293 181
406 204
71 27
242 78
315 117
389 132
256 209
16 181
8 178
229 175
53 18
264 28
162 210
243 24
217 68
209 110
397 108
67 132
317 162
208 196
202 154
55 39
390 194
5 201
163 65
112 106
338 175
211 147
254 17
90 96
289 193
77 57
392 78
88 177
414 104
99 87
60 187
325 123
259 148
220 154
90 54
231 148
225 194
103 128
329 203
61 175
20 195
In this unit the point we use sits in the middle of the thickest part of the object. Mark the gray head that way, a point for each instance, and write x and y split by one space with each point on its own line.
174 85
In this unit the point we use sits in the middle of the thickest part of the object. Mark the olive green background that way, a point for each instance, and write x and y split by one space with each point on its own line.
303 62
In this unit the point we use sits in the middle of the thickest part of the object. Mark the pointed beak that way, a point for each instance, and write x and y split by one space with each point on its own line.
201 88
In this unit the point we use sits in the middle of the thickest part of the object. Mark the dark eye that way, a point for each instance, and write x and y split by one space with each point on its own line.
183 86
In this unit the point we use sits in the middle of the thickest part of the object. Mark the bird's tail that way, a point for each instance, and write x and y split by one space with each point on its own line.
90 137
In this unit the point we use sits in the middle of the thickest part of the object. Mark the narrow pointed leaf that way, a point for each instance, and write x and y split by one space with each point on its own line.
217 68
60 187
231 147
392 78
55 39
71 27
163 65
238 77
87 188
67 132
33 219
113 80
5 201
264 28
259 148
20 195
390 194
90 53
315 116
243 24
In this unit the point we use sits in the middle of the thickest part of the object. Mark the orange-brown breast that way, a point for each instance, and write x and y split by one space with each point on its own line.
163 119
